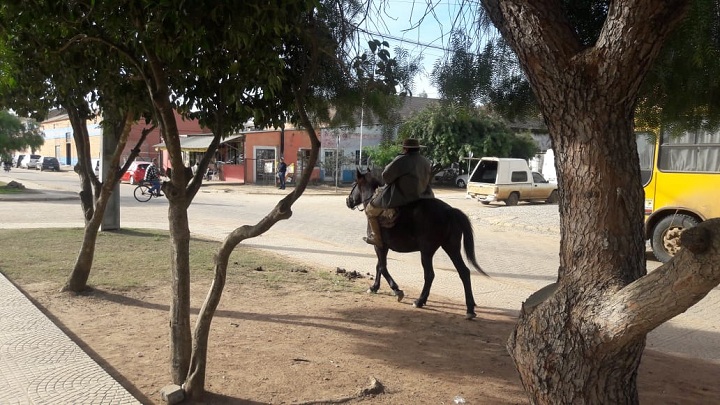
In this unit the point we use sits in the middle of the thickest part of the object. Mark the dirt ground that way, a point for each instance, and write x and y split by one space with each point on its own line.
296 346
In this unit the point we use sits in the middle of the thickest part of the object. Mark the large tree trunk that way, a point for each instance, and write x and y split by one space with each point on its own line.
581 339
559 348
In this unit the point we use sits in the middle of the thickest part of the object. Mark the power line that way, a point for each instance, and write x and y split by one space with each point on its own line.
418 43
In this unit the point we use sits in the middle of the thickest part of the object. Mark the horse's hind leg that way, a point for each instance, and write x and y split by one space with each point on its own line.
429 275
382 271
464 273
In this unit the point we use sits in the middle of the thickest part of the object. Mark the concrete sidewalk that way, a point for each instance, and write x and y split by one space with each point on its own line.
39 364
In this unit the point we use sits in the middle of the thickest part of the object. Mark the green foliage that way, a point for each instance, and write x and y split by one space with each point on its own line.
523 146
6 68
489 76
682 89
4 189
223 63
377 83
464 79
452 133
383 153
16 136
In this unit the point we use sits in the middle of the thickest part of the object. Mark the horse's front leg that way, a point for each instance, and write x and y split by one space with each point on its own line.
429 273
382 271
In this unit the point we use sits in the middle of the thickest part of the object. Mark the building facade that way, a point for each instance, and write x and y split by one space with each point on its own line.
60 143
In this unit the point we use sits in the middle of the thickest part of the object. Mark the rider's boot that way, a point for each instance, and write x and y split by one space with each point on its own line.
376 237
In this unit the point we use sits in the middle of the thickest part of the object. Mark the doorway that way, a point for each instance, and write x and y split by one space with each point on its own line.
264 165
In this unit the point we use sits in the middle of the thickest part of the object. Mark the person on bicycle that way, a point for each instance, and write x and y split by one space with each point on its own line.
152 176
407 179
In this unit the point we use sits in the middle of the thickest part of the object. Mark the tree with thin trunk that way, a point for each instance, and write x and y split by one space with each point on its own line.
48 74
580 340
222 64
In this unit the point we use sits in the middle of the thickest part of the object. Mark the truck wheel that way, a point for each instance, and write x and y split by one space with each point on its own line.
666 235
552 198
512 199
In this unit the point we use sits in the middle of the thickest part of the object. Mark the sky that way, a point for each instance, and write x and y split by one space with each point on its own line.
421 27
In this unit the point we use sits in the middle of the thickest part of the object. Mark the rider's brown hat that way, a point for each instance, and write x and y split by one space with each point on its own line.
412 143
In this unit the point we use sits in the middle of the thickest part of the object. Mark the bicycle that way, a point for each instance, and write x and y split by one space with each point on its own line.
142 191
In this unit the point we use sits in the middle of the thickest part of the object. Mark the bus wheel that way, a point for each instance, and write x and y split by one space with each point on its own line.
666 235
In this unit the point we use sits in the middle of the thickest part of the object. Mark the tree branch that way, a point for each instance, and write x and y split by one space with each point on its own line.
669 290
623 16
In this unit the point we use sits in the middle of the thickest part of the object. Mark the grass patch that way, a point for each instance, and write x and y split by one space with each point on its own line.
133 258
4 189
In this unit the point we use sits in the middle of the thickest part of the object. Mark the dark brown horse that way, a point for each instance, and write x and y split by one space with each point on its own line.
424 226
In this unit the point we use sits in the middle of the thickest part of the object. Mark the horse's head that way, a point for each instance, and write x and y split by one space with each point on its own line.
362 189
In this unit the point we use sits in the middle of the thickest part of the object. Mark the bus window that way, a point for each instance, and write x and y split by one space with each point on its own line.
646 152
696 152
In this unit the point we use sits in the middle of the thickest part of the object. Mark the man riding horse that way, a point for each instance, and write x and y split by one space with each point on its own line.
407 179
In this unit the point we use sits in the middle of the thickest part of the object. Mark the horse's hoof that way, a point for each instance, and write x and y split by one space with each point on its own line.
470 316
418 304
400 295
371 291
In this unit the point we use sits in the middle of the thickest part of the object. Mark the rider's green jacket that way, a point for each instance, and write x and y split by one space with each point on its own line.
407 179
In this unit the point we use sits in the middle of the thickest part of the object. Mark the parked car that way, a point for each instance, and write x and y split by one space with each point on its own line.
447 175
462 180
30 161
135 172
94 163
48 163
17 159
510 181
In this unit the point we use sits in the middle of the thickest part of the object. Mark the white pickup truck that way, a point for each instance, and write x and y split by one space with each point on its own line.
510 181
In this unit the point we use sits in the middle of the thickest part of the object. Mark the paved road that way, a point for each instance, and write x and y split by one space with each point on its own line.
517 246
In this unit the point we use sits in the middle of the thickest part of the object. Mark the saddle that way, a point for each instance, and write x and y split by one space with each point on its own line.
389 217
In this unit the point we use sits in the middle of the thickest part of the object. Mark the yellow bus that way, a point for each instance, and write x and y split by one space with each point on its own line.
681 178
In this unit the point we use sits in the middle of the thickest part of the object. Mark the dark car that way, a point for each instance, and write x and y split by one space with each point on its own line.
48 163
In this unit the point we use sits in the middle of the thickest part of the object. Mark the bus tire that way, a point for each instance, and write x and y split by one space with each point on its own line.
666 235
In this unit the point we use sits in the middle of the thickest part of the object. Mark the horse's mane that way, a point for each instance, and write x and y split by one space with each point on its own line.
369 179
374 182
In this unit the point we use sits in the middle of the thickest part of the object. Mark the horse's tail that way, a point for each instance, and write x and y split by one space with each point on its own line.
468 238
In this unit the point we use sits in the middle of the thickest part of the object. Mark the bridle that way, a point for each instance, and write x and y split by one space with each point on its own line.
364 203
